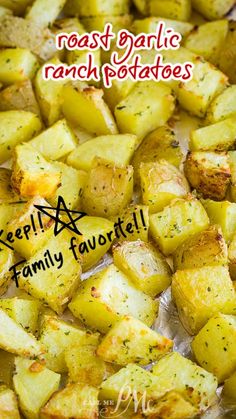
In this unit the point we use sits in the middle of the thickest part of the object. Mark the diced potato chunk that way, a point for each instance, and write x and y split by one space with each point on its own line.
97 237
7 213
111 295
215 346
228 55
28 245
14 339
19 96
159 144
8 404
25 312
118 149
219 137
56 285
207 248
132 223
229 389
142 6
71 187
193 382
108 190
17 7
76 400
34 384
7 195
55 142
97 8
15 127
17 65
43 13
32 174
232 163
84 365
207 82
232 258
144 265
149 25
118 91
97 23
207 40
209 173
131 341
201 293
148 106
223 106
177 222
6 261
96 116
161 182
213 9
49 95
56 336
224 214
173 9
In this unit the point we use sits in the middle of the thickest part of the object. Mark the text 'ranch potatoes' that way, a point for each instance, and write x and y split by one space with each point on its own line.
118 212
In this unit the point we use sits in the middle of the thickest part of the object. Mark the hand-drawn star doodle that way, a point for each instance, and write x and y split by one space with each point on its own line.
62 209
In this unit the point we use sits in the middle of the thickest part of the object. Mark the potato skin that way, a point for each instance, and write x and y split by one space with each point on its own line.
205 248
209 173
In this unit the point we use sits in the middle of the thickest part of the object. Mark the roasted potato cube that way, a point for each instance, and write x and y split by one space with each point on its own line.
14 339
207 82
43 13
161 182
8 404
208 39
148 106
177 222
32 174
55 142
223 106
97 23
172 9
76 400
6 261
132 223
224 214
209 173
97 8
217 137
56 285
201 293
7 195
97 237
142 6
232 163
159 144
232 258
56 336
213 9
182 375
15 127
17 7
17 65
84 365
118 91
7 212
27 35
34 384
118 149
19 96
144 265
49 95
96 116
25 312
207 248
71 186
6 368
131 341
108 189
228 56
149 25
229 389
214 347
111 295
28 244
